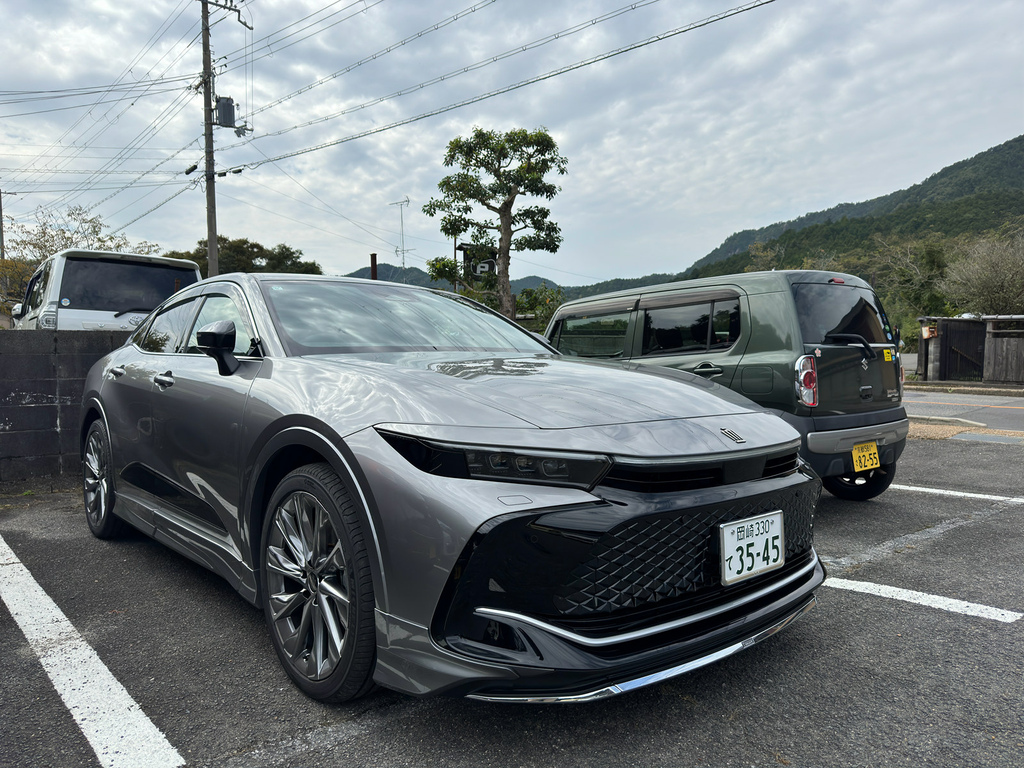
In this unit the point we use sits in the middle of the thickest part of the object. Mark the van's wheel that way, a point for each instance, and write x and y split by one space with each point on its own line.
860 486
316 591
98 484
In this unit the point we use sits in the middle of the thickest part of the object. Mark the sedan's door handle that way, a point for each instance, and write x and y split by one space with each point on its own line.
117 372
164 380
708 370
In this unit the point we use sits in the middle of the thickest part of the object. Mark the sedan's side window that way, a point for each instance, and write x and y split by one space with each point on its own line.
167 327
216 308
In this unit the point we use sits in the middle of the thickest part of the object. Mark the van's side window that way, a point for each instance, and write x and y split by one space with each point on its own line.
37 289
691 327
725 327
594 335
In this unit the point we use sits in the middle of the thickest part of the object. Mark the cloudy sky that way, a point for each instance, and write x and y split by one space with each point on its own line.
759 116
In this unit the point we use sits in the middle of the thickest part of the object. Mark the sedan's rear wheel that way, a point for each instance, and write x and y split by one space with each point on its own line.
860 486
98 484
317 593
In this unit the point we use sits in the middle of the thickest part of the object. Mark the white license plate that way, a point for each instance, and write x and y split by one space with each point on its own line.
752 546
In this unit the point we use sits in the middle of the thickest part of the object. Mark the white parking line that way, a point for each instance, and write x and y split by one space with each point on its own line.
115 725
959 494
922 598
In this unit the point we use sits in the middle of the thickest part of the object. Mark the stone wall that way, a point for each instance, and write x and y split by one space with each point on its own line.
42 375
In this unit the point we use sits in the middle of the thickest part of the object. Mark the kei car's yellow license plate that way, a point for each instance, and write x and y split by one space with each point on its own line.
865 456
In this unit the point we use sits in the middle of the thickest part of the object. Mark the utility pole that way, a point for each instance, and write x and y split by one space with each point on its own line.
3 253
211 194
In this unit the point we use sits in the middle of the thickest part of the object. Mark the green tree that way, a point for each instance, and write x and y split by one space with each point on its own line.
243 255
541 302
494 170
988 279
463 278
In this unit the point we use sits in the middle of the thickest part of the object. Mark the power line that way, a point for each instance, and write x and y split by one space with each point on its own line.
374 56
448 76
522 84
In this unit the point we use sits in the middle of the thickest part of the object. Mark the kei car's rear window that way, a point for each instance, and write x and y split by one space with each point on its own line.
335 317
115 285
825 309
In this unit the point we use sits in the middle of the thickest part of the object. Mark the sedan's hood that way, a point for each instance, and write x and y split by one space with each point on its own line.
544 391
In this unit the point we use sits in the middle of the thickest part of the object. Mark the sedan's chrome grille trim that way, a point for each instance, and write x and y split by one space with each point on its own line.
639 634
652 679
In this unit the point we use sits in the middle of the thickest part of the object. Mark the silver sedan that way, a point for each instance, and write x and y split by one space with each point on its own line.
420 495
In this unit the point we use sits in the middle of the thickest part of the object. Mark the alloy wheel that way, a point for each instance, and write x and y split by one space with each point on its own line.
308 586
97 479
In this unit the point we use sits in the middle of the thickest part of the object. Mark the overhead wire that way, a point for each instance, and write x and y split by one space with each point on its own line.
521 84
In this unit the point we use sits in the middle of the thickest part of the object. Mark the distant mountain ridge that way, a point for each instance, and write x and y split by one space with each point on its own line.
995 170
416 276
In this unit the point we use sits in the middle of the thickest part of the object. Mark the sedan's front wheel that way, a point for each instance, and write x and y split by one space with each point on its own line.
316 586
98 484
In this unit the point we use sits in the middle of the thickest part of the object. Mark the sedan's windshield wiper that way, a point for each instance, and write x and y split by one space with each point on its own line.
852 338
147 310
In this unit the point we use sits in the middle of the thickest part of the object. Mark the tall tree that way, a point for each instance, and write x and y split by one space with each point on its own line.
494 170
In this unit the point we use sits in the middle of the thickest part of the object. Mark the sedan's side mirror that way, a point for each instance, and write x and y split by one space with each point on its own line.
16 312
218 341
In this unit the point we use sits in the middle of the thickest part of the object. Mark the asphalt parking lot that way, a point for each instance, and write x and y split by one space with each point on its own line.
921 669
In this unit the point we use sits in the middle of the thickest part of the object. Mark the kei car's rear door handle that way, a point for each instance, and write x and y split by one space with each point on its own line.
708 370
164 380
117 372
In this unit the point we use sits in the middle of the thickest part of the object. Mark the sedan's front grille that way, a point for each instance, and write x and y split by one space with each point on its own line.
654 558
623 564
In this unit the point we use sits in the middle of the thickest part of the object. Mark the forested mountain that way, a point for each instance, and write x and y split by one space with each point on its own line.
987 177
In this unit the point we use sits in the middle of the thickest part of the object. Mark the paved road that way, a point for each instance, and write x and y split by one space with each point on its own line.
991 411
885 679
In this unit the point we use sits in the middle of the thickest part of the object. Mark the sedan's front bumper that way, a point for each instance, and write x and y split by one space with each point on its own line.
585 601
614 689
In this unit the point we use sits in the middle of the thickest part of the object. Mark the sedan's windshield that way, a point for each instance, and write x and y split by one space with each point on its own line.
340 317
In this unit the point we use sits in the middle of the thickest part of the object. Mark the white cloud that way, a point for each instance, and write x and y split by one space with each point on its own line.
791 107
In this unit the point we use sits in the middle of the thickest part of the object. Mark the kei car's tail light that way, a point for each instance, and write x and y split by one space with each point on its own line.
806 381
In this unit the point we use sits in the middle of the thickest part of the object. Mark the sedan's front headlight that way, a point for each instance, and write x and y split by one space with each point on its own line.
510 465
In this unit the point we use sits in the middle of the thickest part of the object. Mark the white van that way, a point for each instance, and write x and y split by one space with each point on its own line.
81 290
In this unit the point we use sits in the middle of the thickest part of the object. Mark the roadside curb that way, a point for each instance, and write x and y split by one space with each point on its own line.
954 389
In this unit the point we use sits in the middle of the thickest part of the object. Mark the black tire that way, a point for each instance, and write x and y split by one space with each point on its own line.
860 486
316 588
98 484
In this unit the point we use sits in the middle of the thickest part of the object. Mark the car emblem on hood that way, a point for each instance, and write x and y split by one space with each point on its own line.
135 319
732 435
